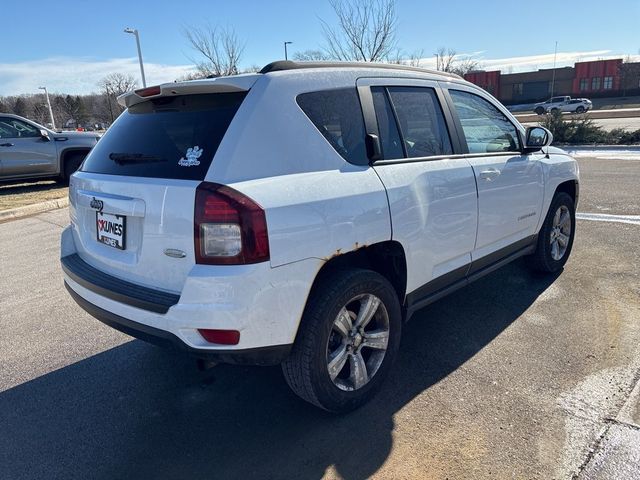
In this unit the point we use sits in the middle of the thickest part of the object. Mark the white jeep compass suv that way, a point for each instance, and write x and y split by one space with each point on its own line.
300 215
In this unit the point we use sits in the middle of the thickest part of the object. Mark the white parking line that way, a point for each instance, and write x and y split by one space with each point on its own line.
613 154
603 217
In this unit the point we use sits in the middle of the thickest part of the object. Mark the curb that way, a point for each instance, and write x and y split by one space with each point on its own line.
28 210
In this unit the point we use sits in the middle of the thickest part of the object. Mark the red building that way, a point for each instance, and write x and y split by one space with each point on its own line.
598 78
490 81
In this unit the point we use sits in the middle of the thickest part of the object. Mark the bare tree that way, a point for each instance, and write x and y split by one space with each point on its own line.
114 85
118 83
311 56
365 31
220 49
448 60
445 59
194 75
464 66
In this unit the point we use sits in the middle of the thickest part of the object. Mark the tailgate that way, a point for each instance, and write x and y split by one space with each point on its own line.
157 227
132 202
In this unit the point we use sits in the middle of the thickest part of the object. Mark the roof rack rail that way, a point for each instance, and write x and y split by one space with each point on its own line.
283 65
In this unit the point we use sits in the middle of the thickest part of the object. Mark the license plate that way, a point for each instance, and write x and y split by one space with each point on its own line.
110 229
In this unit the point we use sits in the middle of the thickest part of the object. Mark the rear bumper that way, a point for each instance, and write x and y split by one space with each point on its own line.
263 303
116 289
272 355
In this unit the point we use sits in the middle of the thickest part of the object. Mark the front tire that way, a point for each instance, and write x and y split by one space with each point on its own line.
539 110
348 339
555 239
580 109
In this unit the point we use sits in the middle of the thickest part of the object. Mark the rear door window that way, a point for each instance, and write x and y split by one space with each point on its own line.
421 121
338 116
168 137
387 126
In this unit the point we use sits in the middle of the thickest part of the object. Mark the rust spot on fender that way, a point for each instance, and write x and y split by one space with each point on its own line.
338 252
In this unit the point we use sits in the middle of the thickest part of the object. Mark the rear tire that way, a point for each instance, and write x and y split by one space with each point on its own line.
71 163
348 339
555 239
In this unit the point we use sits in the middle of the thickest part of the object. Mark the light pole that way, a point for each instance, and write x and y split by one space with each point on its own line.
135 32
437 61
46 93
285 50
553 77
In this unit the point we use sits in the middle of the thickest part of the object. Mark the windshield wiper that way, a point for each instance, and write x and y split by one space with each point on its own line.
122 158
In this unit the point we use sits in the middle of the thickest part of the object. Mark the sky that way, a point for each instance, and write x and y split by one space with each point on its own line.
69 46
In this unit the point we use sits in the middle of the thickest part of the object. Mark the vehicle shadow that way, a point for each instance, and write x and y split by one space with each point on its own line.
136 411
19 187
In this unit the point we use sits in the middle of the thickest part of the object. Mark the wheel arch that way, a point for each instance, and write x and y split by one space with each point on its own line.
570 187
69 152
386 258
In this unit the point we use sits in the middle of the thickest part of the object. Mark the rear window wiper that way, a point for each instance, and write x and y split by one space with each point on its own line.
123 158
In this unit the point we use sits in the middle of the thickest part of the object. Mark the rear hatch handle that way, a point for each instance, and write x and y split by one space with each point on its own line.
114 204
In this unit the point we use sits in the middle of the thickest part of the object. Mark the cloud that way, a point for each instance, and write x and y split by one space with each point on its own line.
78 75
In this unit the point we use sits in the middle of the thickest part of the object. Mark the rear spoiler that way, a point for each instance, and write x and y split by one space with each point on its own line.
236 83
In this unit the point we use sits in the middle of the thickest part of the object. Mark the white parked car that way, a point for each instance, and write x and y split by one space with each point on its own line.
301 214
563 104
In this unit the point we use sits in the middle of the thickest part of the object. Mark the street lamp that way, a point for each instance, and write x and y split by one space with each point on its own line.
553 78
135 32
285 49
53 122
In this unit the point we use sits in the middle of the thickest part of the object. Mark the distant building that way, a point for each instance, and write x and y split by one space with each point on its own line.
599 78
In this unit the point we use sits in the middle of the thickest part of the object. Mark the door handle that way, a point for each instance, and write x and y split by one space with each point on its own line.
489 174
6 144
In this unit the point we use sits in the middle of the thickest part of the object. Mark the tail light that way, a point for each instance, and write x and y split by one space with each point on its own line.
229 227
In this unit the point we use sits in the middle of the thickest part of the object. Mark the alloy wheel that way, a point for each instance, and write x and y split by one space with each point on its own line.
560 232
358 342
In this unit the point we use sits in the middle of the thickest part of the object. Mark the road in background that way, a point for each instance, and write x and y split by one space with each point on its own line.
516 376
630 124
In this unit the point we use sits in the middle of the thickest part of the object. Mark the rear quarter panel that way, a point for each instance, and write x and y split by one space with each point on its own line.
317 204
321 214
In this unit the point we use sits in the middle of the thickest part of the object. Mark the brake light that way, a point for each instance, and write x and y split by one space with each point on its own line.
229 227
149 91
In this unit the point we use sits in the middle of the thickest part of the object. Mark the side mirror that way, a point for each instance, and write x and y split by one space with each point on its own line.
536 138
44 134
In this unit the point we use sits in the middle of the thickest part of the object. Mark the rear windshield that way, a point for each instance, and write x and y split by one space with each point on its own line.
168 137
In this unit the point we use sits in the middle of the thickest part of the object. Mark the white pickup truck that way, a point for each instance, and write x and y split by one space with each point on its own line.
300 215
563 104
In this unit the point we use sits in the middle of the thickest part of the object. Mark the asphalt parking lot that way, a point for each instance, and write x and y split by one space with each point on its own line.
515 376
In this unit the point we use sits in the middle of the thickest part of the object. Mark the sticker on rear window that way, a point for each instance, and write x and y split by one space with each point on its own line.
193 154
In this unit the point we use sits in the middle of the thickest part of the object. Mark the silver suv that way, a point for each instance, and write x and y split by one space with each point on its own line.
29 150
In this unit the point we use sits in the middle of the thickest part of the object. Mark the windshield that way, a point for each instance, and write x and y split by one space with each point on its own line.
168 137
